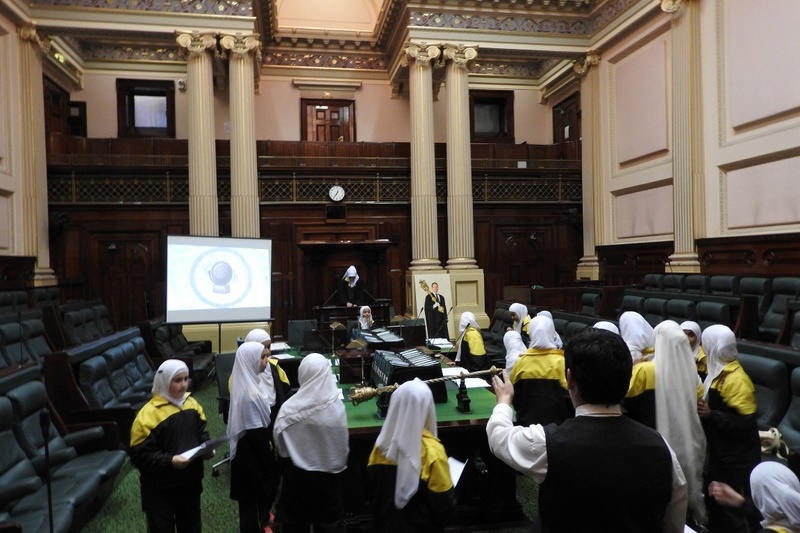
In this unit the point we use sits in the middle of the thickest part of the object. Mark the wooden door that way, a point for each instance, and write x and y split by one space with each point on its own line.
328 120
567 120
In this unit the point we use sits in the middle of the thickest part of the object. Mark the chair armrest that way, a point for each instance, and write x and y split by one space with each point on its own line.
83 437
17 489
107 436
57 457
121 416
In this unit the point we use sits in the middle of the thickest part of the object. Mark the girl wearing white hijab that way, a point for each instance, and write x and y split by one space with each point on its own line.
260 335
311 431
539 378
776 494
694 333
254 475
638 335
728 414
471 350
557 337
606 325
165 427
678 388
520 320
350 291
514 347
408 472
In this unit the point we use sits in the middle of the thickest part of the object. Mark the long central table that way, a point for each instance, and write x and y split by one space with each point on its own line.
490 497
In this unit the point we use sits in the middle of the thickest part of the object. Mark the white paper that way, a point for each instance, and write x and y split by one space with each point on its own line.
341 394
456 469
473 383
282 356
279 347
453 371
205 448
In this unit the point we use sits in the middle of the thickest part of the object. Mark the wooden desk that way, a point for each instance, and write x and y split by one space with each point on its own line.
491 500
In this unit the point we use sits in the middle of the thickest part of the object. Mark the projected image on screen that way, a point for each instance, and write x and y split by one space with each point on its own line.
212 279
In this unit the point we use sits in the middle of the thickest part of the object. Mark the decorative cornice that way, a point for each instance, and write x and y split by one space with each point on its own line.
196 43
582 66
30 33
195 7
329 60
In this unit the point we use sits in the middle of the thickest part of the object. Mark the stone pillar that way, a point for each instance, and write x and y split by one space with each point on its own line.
460 226
687 134
33 159
424 236
203 204
245 216
592 169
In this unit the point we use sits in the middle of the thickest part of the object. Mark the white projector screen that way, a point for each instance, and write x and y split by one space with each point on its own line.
218 279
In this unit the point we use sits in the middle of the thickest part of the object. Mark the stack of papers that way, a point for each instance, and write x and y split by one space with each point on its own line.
470 383
279 347
205 448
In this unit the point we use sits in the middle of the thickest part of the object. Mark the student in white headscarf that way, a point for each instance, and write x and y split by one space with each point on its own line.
638 335
260 335
694 333
408 472
728 414
606 325
520 320
775 502
514 347
350 291
311 431
171 423
471 349
256 397
365 322
557 338
539 378
678 388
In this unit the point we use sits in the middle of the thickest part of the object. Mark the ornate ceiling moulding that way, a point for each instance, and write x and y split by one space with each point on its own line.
231 8
332 60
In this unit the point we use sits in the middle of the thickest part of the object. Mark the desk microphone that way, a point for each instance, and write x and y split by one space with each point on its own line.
44 425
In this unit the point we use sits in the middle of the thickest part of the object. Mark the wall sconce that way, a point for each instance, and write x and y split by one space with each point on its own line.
112 247
182 85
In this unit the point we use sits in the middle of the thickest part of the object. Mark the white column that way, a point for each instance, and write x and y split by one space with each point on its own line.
33 159
460 226
592 173
245 221
203 204
424 236
687 134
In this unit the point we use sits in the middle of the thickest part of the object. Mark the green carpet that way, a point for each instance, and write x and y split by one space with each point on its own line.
122 512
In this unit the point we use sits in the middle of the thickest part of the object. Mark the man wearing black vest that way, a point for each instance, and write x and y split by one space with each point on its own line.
599 472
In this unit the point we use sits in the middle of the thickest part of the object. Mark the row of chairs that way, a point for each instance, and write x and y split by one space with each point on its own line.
23 339
81 465
20 301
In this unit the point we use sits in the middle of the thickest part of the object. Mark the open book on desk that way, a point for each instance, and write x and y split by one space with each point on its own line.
206 448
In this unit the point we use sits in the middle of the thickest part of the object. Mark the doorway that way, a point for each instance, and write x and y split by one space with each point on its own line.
328 120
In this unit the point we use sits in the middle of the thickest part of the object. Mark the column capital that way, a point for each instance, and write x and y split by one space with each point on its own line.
674 7
30 33
422 53
240 45
582 66
460 54
196 43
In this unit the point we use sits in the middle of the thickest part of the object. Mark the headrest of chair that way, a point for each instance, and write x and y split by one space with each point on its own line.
28 398
6 414
114 356
92 369
10 333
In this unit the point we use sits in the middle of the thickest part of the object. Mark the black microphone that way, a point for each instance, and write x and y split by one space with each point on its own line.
44 425
443 322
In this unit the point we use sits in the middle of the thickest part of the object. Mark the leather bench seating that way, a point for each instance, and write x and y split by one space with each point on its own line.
166 341
789 425
13 302
94 382
23 495
771 380
118 377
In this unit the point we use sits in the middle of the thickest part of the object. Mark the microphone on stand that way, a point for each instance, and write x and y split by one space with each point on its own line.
44 425
446 316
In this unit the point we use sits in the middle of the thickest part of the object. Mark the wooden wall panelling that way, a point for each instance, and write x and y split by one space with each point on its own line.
627 264
760 255
16 272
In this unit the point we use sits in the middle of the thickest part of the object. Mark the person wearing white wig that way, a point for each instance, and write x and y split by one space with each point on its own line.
514 347
311 432
171 423
520 320
539 378
728 414
678 388
606 325
409 477
350 290
557 338
694 333
471 349
638 335
254 401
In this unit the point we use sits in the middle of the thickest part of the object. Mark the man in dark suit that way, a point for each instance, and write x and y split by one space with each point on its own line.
436 314
599 472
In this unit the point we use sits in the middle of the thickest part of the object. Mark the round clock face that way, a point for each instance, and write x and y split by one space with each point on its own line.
336 193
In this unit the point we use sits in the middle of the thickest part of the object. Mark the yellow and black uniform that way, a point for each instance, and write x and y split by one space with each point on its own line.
160 431
433 504
473 351
540 387
702 367
640 401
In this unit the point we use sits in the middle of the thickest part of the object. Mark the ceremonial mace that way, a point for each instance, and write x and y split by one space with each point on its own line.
362 394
